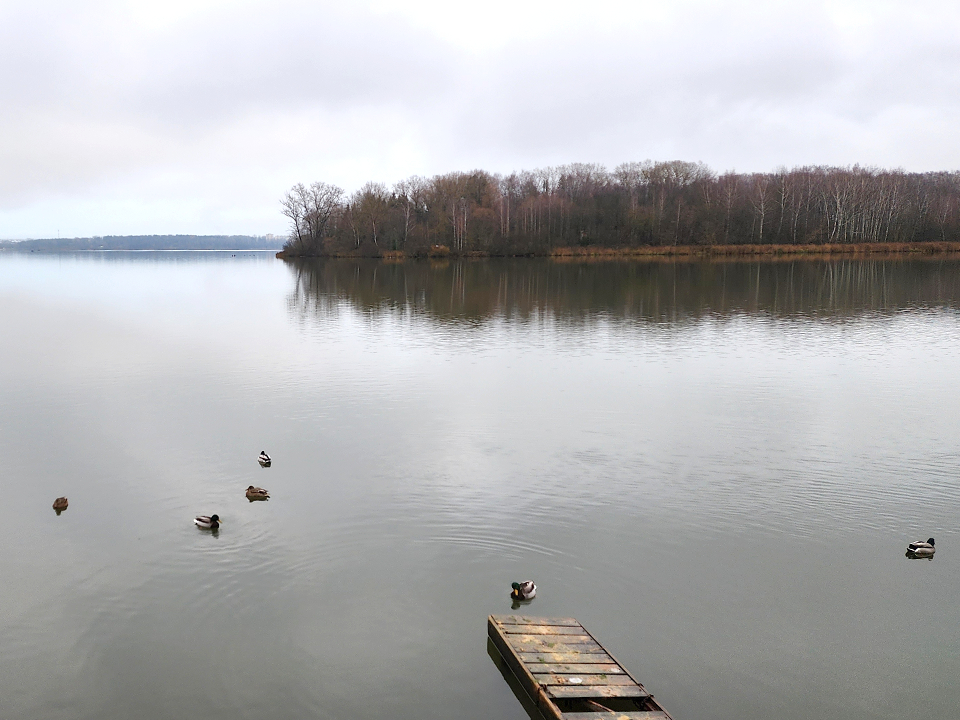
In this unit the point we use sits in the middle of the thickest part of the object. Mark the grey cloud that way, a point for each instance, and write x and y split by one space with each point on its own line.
202 72
261 95
294 60
87 97
729 82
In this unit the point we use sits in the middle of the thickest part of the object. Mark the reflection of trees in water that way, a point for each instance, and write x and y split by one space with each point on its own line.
475 290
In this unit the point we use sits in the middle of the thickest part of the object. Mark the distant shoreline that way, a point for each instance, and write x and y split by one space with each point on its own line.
811 251
134 243
137 250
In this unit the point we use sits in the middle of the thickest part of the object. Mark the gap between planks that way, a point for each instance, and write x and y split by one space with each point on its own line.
575 668
543 630
593 648
549 679
561 658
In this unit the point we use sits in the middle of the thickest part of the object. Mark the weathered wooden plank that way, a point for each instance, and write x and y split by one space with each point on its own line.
613 715
584 678
527 620
601 657
550 646
575 668
564 639
588 691
543 630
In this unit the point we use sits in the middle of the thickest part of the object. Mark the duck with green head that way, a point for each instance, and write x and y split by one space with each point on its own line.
207 522
526 590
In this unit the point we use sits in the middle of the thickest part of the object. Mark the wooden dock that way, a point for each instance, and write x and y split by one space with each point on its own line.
567 673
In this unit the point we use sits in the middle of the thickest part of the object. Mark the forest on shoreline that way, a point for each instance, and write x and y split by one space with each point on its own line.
635 209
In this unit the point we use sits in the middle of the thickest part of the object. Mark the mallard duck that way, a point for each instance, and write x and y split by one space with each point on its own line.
210 522
60 504
255 493
921 548
264 459
526 590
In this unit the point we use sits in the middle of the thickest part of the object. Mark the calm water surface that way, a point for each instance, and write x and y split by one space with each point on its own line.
715 467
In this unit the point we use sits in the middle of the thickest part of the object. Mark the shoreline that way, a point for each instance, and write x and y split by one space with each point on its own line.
655 252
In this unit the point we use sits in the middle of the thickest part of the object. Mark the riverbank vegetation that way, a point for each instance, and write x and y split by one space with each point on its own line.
635 208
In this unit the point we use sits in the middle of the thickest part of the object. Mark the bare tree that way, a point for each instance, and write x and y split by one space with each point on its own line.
758 199
369 206
729 193
309 210
411 193
324 201
295 207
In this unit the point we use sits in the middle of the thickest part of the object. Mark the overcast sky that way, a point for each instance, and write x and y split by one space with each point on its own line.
195 117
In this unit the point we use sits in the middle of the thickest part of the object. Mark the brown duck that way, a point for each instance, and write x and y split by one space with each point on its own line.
256 493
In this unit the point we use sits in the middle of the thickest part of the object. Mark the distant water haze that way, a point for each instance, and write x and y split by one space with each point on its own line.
716 467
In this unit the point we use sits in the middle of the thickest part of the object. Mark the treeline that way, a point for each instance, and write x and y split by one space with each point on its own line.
148 242
636 204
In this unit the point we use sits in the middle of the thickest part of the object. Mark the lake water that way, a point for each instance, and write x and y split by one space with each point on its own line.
716 467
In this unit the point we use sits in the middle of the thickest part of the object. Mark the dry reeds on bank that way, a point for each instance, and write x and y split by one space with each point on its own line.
706 251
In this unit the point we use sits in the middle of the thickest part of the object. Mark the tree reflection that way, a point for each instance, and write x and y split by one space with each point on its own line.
658 291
